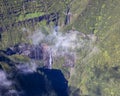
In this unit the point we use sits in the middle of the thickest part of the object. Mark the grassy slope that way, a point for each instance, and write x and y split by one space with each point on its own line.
99 75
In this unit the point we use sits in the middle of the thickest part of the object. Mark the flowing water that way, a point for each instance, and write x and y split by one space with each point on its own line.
56 44
50 59
59 43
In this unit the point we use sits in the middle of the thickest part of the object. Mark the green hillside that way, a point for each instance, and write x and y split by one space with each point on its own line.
97 68
99 75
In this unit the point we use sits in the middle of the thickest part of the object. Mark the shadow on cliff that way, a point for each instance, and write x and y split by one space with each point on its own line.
5 59
44 82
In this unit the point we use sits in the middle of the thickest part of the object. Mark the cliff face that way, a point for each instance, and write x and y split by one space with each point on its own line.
86 49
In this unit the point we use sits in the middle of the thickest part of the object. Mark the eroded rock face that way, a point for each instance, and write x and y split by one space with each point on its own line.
46 54
62 45
37 52
32 51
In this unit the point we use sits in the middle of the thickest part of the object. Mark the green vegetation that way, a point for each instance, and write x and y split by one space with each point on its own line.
19 58
97 70
99 74
30 15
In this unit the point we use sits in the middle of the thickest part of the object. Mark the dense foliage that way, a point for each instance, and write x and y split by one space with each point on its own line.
97 68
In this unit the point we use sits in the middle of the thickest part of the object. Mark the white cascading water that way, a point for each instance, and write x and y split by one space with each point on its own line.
50 59
61 43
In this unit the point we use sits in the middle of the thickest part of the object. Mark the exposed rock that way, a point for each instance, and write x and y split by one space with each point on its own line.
37 52
69 60
46 54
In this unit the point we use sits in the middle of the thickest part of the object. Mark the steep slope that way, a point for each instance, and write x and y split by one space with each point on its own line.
98 75
96 71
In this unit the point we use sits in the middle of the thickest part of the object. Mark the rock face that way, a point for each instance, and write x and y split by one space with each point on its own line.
37 52
41 52
25 49
46 54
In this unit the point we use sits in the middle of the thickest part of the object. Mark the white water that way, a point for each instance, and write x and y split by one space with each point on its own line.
50 60
61 43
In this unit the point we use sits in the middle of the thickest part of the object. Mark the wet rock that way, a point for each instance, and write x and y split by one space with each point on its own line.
46 54
37 52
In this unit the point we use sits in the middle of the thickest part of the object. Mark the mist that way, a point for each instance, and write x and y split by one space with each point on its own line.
63 42
6 85
28 67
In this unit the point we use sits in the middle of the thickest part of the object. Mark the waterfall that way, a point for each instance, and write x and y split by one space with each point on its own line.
50 59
